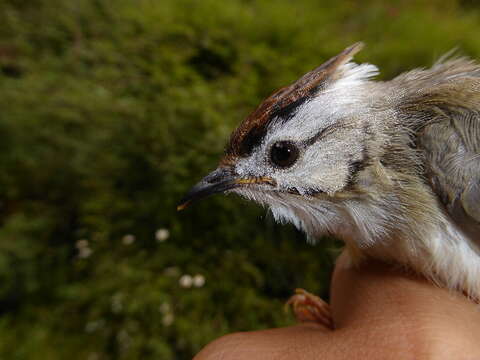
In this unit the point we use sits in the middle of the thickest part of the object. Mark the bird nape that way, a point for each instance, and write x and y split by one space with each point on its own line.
391 168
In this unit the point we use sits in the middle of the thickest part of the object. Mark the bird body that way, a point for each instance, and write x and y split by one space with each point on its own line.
391 168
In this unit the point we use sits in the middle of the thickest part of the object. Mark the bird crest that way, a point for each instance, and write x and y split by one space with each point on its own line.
282 103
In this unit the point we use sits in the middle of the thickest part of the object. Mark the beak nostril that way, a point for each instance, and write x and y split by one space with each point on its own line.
218 175
214 178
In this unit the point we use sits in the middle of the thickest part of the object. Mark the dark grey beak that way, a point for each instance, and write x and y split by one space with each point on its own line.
218 181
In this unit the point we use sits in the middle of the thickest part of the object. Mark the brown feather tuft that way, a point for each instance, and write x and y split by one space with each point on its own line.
252 130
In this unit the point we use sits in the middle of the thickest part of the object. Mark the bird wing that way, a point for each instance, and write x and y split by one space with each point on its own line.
451 146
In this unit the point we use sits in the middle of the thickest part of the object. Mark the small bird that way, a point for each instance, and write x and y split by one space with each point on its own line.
392 168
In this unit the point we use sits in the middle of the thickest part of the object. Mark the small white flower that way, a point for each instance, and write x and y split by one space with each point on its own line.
128 239
198 280
82 243
162 235
168 319
84 252
186 281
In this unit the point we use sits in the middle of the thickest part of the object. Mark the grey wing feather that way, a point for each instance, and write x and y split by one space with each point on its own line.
451 145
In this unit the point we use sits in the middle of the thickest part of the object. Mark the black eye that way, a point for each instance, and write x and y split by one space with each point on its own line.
284 154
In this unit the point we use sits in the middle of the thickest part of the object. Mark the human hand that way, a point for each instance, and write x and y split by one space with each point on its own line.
379 313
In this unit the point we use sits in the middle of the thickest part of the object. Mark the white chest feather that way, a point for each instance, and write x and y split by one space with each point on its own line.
439 251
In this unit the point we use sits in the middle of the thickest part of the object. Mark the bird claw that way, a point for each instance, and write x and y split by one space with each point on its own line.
310 308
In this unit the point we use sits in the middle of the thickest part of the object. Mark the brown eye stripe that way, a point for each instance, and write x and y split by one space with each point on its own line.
322 133
325 132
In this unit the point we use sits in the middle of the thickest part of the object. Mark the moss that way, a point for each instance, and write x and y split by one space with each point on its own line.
110 111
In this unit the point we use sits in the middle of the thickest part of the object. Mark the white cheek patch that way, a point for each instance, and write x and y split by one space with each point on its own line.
323 165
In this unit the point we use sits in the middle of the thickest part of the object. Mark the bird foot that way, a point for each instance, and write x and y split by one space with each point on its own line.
310 308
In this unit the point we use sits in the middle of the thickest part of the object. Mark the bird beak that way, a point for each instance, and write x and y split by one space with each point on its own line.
218 181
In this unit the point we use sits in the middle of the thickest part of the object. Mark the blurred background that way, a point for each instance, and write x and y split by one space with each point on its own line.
111 110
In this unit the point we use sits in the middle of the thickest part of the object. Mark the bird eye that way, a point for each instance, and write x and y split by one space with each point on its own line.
284 154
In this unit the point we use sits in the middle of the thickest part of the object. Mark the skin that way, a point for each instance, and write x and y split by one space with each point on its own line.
379 313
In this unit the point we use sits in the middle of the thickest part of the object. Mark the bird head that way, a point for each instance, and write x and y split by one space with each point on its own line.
302 147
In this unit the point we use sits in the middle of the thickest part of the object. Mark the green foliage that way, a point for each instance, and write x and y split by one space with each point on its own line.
110 111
